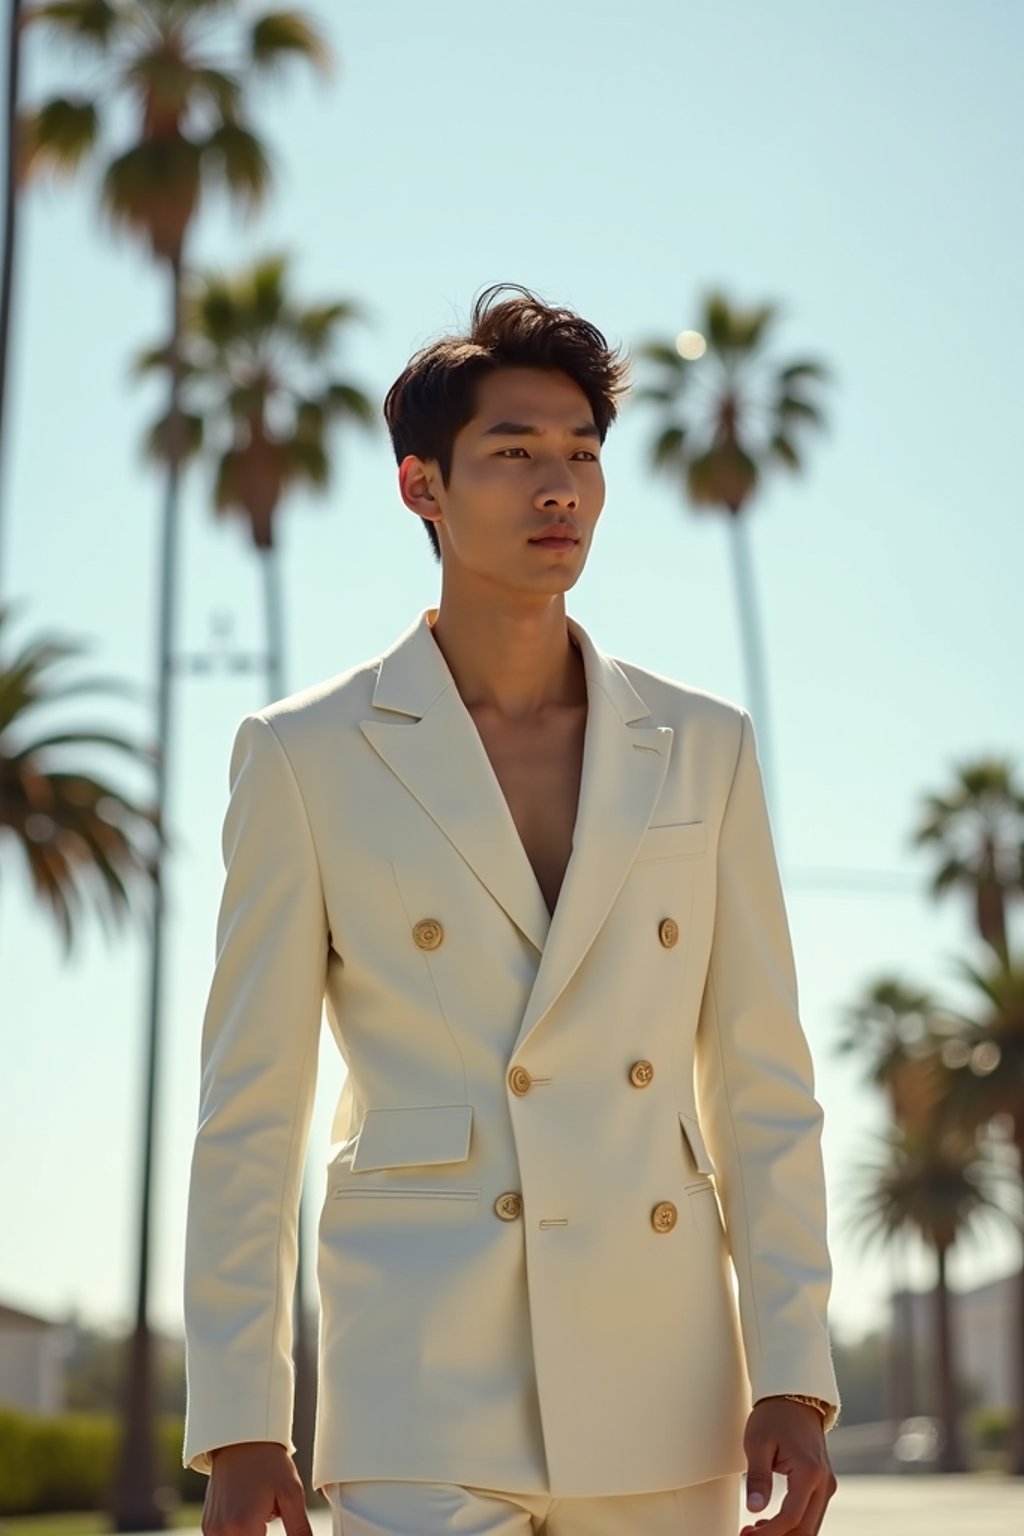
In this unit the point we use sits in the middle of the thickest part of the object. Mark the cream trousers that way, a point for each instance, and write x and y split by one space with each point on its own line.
393 1508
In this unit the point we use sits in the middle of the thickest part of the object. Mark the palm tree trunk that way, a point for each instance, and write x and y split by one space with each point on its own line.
753 653
10 215
304 1348
901 1348
135 1507
952 1458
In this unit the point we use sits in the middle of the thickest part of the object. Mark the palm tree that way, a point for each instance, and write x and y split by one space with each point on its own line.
81 839
164 66
977 830
717 446
259 396
986 1084
939 1186
897 1030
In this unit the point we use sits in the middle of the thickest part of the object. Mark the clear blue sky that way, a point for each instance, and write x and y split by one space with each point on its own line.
858 165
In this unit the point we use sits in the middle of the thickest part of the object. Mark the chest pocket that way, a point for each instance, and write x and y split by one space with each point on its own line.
673 840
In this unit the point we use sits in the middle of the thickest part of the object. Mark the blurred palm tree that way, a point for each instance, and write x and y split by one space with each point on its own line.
940 1186
81 839
720 434
260 397
898 1030
985 1087
977 830
176 75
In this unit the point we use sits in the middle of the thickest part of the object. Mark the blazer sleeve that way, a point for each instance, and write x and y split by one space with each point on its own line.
755 1086
259 1055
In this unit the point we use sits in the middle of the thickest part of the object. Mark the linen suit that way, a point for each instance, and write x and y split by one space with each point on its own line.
575 1214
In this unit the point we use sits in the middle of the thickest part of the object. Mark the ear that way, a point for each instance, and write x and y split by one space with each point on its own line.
415 481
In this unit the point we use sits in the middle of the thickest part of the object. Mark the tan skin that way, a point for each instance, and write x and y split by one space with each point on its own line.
502 630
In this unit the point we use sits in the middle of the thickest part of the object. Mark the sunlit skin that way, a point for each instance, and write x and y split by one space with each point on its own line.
501 613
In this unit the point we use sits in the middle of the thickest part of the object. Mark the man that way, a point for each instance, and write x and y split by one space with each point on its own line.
537 888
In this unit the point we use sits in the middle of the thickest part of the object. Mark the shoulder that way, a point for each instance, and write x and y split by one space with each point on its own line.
323 710
676 702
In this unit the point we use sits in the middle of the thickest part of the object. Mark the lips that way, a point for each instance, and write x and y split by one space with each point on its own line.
559 531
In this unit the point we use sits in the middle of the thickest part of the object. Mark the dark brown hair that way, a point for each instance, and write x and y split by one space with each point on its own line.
435 395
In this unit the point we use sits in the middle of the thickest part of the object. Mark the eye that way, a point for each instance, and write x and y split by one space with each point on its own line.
517 449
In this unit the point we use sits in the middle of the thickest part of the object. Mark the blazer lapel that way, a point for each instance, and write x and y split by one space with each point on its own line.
624 767
441 759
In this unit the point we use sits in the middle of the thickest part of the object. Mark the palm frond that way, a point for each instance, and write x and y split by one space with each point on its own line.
279 36
315 326
308 461
791 407
83 839
784 450
92 23
667 449
56 137
804 370
661 352
237 157
153 189
156 443
346 400
78 738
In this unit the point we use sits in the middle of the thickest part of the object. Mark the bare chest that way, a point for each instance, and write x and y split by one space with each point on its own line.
539 767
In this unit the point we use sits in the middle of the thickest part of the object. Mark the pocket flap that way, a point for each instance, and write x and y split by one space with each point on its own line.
673 840
400 1138
695 1141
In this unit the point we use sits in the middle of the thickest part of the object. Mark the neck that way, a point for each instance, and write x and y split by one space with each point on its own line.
514 662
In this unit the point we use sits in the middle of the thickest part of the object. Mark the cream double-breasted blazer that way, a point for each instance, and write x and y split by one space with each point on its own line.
575 1216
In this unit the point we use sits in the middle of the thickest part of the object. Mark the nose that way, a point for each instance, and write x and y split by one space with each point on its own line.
562 496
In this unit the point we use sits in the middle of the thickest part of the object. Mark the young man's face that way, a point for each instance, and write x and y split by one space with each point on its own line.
507 486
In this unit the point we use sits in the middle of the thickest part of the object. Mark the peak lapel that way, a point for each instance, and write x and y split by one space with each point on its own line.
441 759
624 767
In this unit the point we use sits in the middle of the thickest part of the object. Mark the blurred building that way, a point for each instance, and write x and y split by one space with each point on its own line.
33 1352
985 1325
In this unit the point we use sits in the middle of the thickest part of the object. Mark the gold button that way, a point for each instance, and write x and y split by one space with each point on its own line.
663 1217
428 933
520 1081
640 1073
668 932
509 1206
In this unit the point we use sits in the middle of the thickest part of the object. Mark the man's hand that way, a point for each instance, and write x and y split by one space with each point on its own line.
787 1437
251 1484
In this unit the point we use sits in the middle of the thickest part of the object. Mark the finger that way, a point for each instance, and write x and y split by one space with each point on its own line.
760 1481
800 1490
292 1504
815 1513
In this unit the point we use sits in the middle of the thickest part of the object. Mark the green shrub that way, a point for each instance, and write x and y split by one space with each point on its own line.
990 1428
68 1461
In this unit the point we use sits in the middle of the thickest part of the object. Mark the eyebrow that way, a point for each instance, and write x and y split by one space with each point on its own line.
523 429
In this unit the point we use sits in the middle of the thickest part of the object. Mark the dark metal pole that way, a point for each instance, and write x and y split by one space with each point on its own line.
135 1504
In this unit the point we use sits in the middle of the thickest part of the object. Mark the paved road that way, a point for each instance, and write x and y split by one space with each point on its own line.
912 1505
925 1506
